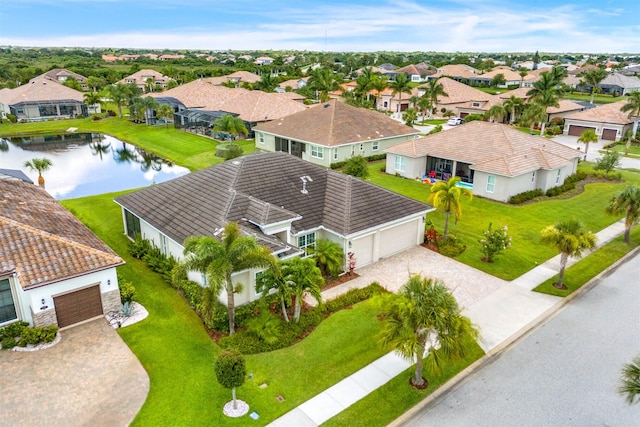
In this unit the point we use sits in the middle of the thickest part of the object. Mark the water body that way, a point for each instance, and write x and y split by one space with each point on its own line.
85 164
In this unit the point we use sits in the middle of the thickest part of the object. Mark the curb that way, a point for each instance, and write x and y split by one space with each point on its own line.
507 344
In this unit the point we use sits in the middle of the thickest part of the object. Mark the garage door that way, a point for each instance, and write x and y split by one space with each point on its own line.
609 134
577 130
363 250
77 306
398 239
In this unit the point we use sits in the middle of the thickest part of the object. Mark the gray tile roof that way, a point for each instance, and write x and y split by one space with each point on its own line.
266 188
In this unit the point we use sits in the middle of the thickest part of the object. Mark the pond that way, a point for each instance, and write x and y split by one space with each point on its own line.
86 164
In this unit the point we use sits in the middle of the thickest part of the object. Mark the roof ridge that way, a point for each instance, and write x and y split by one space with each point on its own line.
347 208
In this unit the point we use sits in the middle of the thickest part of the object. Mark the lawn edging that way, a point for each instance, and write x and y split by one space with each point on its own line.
510 342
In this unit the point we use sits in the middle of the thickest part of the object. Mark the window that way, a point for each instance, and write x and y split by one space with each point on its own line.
7 306
335 154
385 104
558 176
375 145
307 241
491 183
533 176
164 244
317 152
261 138
400 164
133 224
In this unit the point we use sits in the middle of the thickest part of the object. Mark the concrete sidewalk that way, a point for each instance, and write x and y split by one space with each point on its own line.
500 311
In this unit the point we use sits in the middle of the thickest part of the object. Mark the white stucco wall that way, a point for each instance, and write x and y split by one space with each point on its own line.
620 129
415 167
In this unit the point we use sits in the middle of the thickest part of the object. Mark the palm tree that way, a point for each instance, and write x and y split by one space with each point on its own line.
40 164
95 82
514 105
150 104
402 84
324 81
593 77
302 276
424 312
165 112
445 195
230 124
630 381
546 93
267 82
119 96
523 73
626 202
91 99
365 81
433 90
571 239
633 108
329 256
272 279
378 83
586 137
424 105
495 111
533 113
218 260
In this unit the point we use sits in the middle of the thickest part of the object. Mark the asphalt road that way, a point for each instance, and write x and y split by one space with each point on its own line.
565 373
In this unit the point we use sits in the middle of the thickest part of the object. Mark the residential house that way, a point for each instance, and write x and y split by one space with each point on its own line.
42 99
462 99
606 120
457 72
294 84
565 107
496 161
263 60
618 84
512 78
236 78
53 269
415 73
386 100
142 79
170 57
332 132
286 203
61 75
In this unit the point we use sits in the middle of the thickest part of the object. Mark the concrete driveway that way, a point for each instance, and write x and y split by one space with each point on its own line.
593 154
90 378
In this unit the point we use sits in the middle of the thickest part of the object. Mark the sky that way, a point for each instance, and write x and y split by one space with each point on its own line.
587 26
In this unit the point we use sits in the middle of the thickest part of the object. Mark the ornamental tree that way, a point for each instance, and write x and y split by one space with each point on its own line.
494 242
230 371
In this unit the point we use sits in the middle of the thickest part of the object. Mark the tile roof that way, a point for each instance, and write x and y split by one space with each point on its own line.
43 242
460 92
605 113
245 76
507 72
617 79
264 188
564 104
412 69
55 73
39 89
457 70
258 106
201 94
140 77
335 123
490 147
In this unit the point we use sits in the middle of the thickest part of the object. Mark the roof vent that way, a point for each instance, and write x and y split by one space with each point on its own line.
327 105
305 179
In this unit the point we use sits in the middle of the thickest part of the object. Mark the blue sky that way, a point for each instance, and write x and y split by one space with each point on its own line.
591 26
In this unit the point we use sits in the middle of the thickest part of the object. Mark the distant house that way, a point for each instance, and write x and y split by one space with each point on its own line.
236 78
170 57
415 73
457 72
512 78
61 75
287 204
263 60
53 269
42 99
608 122
294 84
565 107
143 77
495 160
617 84
462 99
332 132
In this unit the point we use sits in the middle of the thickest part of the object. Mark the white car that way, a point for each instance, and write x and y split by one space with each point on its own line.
454 121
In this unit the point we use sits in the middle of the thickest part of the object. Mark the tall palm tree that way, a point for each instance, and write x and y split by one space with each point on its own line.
523 73
626 202
434 90
230 124
119 96
586 137
496 111
546 93
365 82
424 105
514 105
150 105
446 196
303 276
593 77
402 84
425 313
272 279
218 260
267 82
379 83
91 99
324 81
40 164
533 113
633 108
165 112
571 239
630 381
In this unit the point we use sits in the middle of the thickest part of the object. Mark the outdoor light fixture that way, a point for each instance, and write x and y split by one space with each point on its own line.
350 244
108 282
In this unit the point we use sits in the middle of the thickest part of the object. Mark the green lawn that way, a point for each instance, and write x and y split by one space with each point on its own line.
634 150
524 221
183 148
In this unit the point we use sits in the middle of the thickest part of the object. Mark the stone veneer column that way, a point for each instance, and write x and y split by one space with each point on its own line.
44 318
111 301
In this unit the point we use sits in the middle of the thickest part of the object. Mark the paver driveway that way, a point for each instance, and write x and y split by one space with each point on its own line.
90 378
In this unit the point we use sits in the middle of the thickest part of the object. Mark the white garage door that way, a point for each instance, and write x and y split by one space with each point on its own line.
398 238
363 250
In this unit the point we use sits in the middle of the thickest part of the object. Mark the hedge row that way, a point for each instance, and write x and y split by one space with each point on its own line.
375 157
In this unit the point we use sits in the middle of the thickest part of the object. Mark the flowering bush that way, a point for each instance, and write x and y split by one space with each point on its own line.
494 242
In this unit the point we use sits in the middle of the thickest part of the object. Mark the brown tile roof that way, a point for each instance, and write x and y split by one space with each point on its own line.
457 70
507 72
265 188
201 94
140 77
490 147
606 113
39 89
460 93
55 73
412 69
293 83
335 123
43 242
258 106
245 76
564 104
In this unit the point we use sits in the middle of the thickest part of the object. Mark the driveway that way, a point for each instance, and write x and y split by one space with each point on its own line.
593 154
90 378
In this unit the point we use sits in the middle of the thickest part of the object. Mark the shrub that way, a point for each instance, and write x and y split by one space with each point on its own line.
192 291
555 191
36 336
158 262
351 297
266 326
608 162
451 246
526 196
138 247
357 166
578 176
95 118
436 129
472 117
12 118
494 242
553 130
233 151
127 291
557 121
111 113
610 145
13 330
8 342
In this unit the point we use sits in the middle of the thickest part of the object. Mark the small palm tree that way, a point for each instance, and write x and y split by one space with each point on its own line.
586 137
91 99
514 105
324 81
230 124
630 381
302 276
434 90
400 85
593 77
41 165
272 279
571 239
626 202
329 256
445 196
165 112
496 111
633 108
119 95
425 313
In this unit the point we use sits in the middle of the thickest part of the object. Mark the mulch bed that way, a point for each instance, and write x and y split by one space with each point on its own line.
339 281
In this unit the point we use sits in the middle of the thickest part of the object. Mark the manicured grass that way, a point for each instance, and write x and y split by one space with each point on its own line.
397 396
598 98
433 122
591 265
524 221
178 355
183 148
634 150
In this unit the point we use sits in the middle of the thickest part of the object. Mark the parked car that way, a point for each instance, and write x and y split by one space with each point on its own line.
454 121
